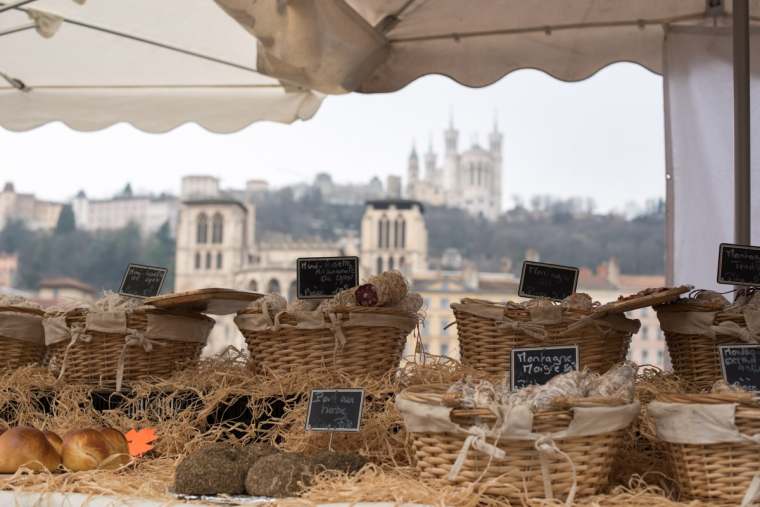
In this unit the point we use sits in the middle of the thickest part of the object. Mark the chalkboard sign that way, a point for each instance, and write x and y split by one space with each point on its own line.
741 365
142 281
335 410
538 365
323 277
739 265
541 280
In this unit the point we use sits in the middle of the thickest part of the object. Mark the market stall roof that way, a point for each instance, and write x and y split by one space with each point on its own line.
382 45
154 64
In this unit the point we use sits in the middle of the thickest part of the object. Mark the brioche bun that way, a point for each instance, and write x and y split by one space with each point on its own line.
84 450
118 448
26 447
55 441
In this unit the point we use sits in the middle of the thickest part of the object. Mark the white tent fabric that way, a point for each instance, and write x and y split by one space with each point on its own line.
154 64
699 130
382 45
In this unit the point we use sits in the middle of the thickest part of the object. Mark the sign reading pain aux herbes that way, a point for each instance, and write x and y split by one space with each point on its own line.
739 265
335 410
537 365
541 280
741 365
323 277
142 281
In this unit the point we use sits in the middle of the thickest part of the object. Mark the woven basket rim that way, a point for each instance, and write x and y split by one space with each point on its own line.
140 310
568 314
380 310
745 400
22 309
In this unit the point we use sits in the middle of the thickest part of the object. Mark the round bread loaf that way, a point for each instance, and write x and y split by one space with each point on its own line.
118 448
84 450
26 447
55 441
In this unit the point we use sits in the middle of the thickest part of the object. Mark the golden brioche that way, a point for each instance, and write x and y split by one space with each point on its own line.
26 447
118 448
55 441
84 450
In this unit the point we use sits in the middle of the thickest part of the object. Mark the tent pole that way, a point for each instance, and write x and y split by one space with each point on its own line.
742 196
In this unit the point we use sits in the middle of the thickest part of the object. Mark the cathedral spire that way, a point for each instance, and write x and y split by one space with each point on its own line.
450 136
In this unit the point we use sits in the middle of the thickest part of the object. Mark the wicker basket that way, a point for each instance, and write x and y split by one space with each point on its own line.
21 337
108 359
489 331
356 340
716 472
582 461
695 353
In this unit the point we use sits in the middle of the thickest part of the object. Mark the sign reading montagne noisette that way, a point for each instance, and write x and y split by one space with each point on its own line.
541 280
142 281
739 265
537 365
323 277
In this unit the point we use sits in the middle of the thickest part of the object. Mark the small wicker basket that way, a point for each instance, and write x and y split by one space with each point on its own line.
21 337
715 472
355 340
577 463
692 329
151 343
489 331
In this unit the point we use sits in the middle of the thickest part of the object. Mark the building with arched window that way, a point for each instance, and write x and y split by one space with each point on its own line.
394 236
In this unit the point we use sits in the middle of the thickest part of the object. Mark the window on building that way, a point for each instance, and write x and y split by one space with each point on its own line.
217 228
380 233
293 291
644 356
219 258
660 358
387 232
391 263
401 262
444 303
201 231
396 233
379 265
427 302
273 287
424 330
208 260
197 260
403 233
444 330
253 286
444 349
644 333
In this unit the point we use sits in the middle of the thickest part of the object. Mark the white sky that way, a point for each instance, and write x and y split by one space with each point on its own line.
599 138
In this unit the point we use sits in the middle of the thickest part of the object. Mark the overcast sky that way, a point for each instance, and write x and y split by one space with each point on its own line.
599 138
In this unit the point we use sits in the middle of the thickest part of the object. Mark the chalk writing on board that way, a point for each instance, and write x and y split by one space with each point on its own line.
335 410
741 365
142 281
738 265
323 277
547 280
538 365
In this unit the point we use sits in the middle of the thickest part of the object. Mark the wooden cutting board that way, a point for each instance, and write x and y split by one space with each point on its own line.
635 301
213 301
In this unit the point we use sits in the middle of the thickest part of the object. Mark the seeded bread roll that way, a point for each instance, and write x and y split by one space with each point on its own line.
26 447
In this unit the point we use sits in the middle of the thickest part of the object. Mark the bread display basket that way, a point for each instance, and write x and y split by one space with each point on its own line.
22 340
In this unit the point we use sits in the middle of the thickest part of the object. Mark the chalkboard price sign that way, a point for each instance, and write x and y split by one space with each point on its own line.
538 365
323 277
142 281
335 410
739 265
541 280
741 365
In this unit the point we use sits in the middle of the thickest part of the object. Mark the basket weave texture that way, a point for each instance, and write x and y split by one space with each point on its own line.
334 343
722 472
520 475
15 353
695 356
486 344
94 359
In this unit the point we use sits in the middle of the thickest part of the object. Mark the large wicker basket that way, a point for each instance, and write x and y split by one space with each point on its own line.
582 463
86 349
693 331
489 331
719 472
21 337
355 340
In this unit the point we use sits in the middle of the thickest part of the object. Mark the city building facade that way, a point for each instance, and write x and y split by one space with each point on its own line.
35 213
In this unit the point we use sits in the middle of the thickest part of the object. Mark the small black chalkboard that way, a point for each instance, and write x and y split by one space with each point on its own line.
739 265
323 277
142 281
541 280
538 365
335 410
741 365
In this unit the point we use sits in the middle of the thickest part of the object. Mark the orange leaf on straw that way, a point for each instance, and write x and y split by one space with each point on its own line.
140 441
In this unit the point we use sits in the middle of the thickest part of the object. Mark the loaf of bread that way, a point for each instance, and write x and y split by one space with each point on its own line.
90 449
54 440
26 447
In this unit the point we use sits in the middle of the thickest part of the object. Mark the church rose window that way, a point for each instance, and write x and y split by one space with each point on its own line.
217 228
201 232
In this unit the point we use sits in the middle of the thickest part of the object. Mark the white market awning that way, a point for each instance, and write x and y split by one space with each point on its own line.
155 64
382 45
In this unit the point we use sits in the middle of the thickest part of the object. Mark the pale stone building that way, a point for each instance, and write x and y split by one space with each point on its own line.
148 212
8 269
35 213
470 180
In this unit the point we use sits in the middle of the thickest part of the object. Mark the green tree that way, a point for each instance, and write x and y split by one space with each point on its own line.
66 221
